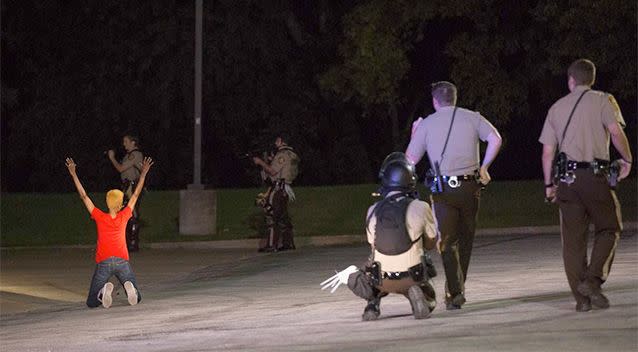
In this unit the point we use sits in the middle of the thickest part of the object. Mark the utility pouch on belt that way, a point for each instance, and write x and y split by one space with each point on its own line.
433 179
430 270
600 167
614 170
373 271
417 273
560 172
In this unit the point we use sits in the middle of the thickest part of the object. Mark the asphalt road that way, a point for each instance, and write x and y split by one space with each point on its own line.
238 300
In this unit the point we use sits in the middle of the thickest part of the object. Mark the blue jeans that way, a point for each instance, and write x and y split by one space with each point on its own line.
103 272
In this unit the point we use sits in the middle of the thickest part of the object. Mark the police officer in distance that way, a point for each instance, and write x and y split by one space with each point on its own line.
129 168
451 138
400 229
578 127
281 171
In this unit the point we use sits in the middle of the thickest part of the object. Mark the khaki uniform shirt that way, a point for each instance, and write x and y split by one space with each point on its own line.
587 137
462 152
130 162
285 163
419 222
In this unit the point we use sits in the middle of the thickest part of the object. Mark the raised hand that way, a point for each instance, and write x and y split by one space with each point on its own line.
146 165
70 164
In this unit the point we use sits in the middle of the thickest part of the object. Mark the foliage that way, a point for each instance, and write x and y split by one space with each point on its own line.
318 211
343 79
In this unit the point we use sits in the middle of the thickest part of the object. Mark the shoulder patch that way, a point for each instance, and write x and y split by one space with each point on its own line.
281 159
131 156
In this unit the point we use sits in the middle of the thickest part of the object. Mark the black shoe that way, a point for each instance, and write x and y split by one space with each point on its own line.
372 311
420 308
584 306
595 295
455 302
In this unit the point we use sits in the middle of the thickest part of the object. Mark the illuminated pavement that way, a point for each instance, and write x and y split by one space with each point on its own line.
238 300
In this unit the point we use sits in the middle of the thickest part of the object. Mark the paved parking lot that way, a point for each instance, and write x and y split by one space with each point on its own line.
239 300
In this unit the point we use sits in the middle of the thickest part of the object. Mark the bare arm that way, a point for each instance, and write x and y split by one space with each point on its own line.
547 159
494 142
146 165
70 164
619 139
267 168
120 167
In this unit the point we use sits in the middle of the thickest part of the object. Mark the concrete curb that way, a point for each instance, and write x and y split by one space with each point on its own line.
309 241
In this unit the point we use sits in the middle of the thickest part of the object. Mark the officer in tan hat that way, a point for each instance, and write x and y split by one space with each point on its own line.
281 172
577 130
451 138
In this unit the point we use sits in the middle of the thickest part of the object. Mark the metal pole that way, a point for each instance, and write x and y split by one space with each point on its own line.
197 151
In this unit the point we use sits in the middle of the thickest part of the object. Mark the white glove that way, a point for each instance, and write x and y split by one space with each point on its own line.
339 278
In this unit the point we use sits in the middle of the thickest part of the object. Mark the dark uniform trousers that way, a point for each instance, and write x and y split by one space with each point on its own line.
455 210
278 220
588 199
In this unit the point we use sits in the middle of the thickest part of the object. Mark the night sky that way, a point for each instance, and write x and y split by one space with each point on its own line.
344 80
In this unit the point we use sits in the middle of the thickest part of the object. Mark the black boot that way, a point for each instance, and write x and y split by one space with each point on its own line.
420 308
593 291
372 311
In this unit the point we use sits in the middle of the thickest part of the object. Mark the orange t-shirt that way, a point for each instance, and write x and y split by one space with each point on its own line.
111 234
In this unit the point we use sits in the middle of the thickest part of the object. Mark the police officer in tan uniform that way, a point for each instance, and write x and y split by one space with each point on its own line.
579 125
451 138
400 229
281 171
129 169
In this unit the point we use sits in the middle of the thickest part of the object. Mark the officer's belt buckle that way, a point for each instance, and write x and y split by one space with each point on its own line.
453 182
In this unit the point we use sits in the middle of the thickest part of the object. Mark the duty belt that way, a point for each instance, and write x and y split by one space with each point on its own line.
395 275
455 181
398 275
597 165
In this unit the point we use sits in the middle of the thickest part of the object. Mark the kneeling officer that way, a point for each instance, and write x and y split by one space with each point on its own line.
399 229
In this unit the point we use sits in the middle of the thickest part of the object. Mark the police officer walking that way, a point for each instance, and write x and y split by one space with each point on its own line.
451 138
578 127
400 228
281 172
129 169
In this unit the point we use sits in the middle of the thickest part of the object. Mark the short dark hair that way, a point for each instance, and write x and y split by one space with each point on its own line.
134 138
444 92
583 72
285 137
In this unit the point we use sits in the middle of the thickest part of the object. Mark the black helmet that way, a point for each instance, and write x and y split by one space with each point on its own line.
397 174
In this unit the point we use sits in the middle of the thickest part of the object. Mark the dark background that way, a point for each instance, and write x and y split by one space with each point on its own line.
344 79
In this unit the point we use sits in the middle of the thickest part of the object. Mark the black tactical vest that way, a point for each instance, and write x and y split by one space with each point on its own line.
391 233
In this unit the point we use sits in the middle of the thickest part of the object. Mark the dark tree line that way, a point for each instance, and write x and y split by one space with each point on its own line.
343 79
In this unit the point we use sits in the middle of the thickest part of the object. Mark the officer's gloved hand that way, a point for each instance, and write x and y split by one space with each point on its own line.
339 278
